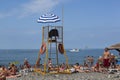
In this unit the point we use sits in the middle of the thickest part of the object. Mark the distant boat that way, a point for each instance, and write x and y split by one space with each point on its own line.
74 50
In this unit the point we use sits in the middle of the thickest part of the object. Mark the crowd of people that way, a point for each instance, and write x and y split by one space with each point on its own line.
103 64
106 61
12 70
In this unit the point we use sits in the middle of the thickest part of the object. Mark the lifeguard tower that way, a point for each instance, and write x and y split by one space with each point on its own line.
52 47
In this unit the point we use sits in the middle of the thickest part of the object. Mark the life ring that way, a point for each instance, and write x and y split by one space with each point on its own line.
61 48
43 48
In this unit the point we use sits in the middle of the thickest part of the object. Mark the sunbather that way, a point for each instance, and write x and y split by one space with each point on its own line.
77 68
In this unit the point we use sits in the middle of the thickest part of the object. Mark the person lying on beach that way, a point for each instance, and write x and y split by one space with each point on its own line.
62 67
97 68
12 70
99 64
3 73
86 68
77 68
8 73
51 67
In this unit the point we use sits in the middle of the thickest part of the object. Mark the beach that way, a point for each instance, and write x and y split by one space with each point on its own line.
59 40
73 76
73 58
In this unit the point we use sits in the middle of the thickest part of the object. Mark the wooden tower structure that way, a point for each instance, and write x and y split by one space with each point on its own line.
52 47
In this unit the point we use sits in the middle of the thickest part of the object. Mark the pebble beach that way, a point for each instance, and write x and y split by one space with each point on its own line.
73 76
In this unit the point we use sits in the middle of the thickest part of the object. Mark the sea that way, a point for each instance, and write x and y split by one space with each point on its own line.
18 56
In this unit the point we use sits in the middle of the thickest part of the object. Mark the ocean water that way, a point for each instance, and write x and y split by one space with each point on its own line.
18 55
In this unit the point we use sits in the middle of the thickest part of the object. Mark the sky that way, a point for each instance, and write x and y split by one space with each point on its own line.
86 23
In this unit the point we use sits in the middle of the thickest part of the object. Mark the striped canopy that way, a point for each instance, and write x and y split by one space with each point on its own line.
48 18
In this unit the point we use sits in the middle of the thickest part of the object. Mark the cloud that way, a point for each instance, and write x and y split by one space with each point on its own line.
32 7
9 13
37 6
31 32
19 32
2 15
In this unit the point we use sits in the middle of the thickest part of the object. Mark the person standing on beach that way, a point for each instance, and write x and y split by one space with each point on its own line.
26 63
85 61
50 66
112 61
38 62
106 58
89 61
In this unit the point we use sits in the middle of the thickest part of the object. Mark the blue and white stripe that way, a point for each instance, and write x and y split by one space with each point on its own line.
48 18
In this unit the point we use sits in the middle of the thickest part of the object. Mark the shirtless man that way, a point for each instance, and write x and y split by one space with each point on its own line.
106 56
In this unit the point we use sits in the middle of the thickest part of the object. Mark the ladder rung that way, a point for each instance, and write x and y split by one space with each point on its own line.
53 58
52 53
52 40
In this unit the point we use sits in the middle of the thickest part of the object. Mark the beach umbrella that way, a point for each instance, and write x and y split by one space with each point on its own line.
115 47
48 18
